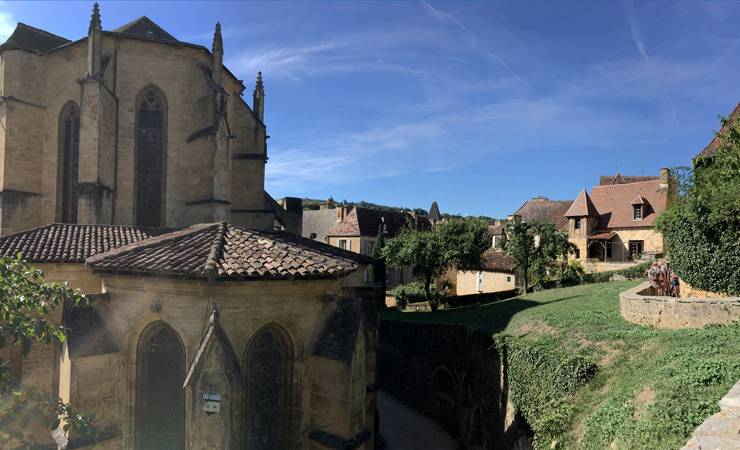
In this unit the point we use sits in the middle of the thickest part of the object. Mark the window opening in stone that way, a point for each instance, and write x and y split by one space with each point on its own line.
70 162
160 402
268 391
443 386
150 143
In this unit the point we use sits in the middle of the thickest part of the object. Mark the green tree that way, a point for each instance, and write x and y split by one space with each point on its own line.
701 229
456 244
535 248
377 272
25 302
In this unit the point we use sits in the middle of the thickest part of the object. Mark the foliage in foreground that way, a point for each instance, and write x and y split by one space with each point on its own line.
25 302
652 388
541 380
702 229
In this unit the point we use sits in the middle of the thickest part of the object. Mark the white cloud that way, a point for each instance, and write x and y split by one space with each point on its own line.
7 23
629 8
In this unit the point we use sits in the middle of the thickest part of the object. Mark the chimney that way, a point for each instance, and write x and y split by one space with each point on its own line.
665 177
516 218
342 212
497 222
540 199
329 204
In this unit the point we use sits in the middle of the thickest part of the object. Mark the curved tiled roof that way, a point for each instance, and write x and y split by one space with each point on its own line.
226 251
66 242
365 222
544 210
615 208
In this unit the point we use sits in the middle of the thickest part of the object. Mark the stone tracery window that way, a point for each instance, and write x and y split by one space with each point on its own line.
160 399
267 393
150 157
69 162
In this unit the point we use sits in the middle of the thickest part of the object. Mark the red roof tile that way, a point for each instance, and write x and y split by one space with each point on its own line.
583 206
65 242
496 262
613 204
227 251
544 210
602 236
365 222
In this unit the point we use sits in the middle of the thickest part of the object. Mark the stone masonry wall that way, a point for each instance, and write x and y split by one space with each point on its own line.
442 371
638 306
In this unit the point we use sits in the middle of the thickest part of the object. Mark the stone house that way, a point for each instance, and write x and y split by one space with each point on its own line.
497 275
614 224
133 170
358 231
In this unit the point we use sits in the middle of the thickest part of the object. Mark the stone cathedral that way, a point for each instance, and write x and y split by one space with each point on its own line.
132 168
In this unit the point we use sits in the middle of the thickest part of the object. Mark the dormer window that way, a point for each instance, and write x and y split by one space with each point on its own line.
638 207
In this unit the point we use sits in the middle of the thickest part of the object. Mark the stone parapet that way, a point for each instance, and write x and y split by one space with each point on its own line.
638 306
720 430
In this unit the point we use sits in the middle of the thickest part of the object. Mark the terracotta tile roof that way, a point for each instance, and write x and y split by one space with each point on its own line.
227 251
606 180
365 222
496 262
32 39
711 149
583 206
602 236
65 242
613 204
544 210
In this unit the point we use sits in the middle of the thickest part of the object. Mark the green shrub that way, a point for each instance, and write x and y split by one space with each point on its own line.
408 293
541 381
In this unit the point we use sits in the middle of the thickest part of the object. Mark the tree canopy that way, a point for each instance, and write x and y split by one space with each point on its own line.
701 229
456 244
535 248
25 302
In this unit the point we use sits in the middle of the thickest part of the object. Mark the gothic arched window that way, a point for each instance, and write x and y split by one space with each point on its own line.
160 397
268 390
151 122
69 162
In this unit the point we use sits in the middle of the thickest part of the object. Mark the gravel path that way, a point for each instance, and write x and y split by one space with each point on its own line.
404 428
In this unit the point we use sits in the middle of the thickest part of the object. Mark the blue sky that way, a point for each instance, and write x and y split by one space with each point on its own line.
479 106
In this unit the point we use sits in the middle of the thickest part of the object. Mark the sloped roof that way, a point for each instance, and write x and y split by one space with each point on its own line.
544 210
639 200
606 180
582 206
66 242
365 222
227 251
32 40
711 149
320 222
496 262
614 204
496 230
604 236
434 214
144 27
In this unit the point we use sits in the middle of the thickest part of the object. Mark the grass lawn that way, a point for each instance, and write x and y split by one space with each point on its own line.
653 387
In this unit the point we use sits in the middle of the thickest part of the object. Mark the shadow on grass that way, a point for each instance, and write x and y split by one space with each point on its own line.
490 317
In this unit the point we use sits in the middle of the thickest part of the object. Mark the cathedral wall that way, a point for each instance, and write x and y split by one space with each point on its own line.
62 69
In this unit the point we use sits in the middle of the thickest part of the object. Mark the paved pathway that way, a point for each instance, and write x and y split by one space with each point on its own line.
719 432
404 428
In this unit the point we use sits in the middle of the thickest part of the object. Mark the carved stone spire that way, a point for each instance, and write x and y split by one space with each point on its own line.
218 56
258 104
94 43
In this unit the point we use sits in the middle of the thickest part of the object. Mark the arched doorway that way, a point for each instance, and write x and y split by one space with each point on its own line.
267 390
160 397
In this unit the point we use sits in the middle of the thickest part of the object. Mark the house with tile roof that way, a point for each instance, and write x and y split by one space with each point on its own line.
497 275
206 328
357 231
614 224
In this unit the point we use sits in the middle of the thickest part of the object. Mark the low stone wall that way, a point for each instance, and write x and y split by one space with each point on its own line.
443 371
639 306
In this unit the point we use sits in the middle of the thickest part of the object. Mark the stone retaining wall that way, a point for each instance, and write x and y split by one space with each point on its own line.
638 306
441 370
